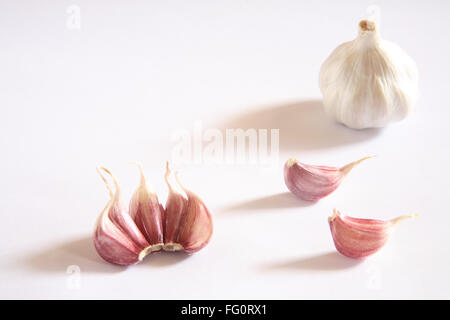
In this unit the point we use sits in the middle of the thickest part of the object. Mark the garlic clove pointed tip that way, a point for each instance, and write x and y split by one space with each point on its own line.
112 194
395 221
167 166
167 173
334 215
347 168
143 181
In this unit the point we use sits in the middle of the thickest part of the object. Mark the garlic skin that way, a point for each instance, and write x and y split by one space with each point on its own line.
368 82
188 223
359 238
312 183
117 239
147 212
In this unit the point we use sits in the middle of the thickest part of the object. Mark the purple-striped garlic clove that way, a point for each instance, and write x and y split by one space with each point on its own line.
312 183
117 239
359 238
147 212
187 223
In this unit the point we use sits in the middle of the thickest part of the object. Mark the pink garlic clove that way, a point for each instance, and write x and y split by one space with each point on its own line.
117 239
312 183
359 238
188 223
147 213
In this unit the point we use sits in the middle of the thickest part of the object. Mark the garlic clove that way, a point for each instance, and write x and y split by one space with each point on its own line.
312 183
188 223
359 238
117 239
147 212
113 245
368 82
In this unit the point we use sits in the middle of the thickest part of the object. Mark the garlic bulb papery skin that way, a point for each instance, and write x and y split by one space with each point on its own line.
368 82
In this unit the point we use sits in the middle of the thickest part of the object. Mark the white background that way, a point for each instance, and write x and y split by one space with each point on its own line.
137 71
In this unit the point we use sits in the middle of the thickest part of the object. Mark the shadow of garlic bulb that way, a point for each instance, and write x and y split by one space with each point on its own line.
368 82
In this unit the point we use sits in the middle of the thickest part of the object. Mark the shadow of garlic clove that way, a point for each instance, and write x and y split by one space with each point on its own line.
359 238
311 182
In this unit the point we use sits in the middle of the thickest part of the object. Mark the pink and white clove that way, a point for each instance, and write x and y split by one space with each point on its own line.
311 182
359 238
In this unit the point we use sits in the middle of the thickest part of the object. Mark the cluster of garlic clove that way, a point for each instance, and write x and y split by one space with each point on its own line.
368 82
125 237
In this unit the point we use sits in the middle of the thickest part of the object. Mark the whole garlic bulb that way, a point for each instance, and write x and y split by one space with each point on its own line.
368 82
